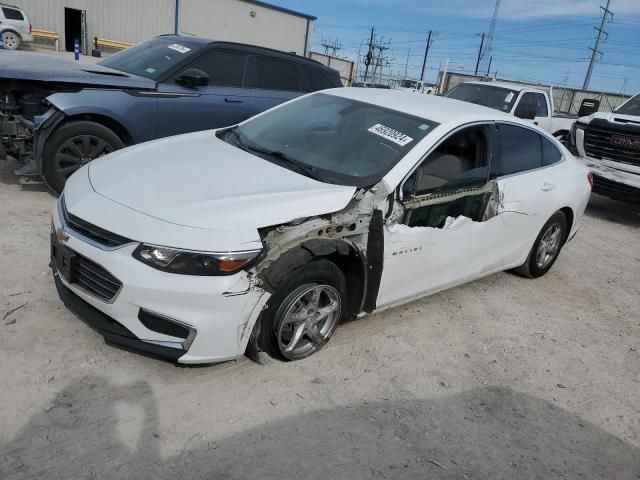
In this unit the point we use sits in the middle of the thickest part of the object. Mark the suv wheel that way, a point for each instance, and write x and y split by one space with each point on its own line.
73 145
11 40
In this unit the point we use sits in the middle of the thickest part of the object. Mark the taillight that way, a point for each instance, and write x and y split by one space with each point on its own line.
30 29
590 178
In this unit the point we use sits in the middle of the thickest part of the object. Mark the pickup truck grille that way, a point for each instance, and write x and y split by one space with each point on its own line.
612 145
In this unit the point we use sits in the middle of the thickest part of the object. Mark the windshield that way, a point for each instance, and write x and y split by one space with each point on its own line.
631 107
332 139
151 59
409 84
499 98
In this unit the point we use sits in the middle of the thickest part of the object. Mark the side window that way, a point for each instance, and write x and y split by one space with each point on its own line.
225 68
12 14
527 103
541 105
519 149
273 74
461 160
550 153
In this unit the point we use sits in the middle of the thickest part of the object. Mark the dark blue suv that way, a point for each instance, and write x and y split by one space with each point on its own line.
59 115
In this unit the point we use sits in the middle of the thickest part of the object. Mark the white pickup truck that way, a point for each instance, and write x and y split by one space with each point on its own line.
609 143
520 100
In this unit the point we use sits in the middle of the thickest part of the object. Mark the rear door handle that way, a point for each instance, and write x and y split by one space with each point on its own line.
546 186
233 100
535 123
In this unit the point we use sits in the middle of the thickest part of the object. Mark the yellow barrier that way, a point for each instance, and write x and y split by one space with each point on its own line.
103 42
48 35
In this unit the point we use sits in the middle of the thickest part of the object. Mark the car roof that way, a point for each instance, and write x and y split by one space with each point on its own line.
511 86
272 51
430 107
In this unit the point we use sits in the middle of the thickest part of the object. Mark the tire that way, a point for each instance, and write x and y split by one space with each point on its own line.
11 40
291 308
550 240
73 145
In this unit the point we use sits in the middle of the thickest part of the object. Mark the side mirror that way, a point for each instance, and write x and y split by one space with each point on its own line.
192 77
525 113
588 106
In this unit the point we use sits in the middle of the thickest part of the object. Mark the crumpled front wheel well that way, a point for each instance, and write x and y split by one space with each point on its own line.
344 255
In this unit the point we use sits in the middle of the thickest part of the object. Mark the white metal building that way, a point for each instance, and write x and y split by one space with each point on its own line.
245 21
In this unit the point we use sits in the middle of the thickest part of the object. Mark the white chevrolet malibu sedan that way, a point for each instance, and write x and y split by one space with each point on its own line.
263 237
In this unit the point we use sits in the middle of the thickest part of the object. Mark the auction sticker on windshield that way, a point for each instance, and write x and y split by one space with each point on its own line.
179 48
390 134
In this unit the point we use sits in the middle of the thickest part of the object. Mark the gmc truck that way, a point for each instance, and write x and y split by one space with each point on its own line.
609 143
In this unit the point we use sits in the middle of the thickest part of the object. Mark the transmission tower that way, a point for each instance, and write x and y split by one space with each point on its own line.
333 46
595 53
488 39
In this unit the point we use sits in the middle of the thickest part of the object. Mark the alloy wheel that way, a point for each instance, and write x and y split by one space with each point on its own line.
10 40
78 151
310 316
549 246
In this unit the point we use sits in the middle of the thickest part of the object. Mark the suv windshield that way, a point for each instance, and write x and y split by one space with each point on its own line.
332 139
152 58
631 107
499 98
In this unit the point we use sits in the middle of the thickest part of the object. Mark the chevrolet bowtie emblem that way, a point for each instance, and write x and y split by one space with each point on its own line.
61 235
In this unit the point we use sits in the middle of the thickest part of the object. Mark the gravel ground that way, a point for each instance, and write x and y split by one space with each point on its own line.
501 378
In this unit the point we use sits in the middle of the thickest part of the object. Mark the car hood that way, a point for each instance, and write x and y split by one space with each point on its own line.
198 180
50 68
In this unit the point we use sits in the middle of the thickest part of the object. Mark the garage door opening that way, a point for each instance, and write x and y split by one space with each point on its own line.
72 27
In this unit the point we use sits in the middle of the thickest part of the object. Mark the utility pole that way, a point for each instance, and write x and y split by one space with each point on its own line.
426 52
406 65
369 56
479 55
606 13
489 66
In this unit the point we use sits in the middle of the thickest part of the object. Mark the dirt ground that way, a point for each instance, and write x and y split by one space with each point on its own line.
503 378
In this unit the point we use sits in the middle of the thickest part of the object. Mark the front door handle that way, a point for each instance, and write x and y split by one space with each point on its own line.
233 100
546 186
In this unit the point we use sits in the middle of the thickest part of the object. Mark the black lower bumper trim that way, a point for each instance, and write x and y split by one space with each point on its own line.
113 332
615 190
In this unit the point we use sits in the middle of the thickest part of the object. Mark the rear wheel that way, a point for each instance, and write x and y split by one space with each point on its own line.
546 248
301 317
73 145
11 40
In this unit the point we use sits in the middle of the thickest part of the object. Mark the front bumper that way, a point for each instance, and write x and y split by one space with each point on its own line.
615 180
220 311
112 331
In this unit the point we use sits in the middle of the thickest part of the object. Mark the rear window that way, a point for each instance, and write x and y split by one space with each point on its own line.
12 14
550 153
520 150
273 74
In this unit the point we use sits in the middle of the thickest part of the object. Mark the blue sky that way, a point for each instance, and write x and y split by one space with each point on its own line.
536 40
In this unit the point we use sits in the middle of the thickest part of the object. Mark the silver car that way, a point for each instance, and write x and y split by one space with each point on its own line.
15 27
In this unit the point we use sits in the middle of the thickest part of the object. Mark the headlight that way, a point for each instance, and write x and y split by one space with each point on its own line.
187 262
572 144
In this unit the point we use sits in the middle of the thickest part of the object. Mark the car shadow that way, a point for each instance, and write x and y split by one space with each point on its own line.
483 433
611 210
8 177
